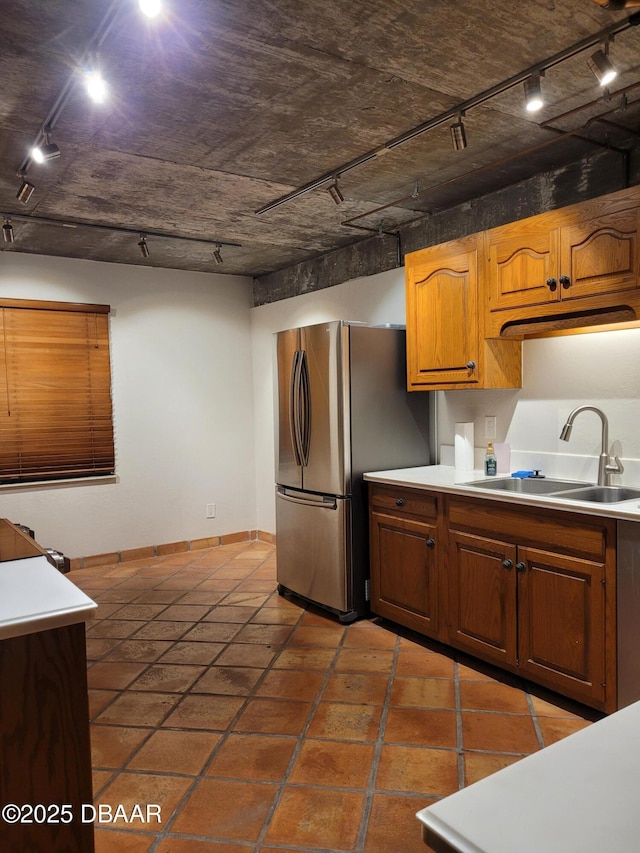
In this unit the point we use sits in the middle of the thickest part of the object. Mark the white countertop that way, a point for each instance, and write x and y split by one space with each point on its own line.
443 478
34 596
578 795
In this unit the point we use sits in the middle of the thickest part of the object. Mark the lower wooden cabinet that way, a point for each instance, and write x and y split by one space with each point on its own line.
531 591
482 601
538 613
404 585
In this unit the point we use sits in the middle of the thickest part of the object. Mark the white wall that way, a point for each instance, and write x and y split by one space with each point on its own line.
183 408
376 300
601 369
193 400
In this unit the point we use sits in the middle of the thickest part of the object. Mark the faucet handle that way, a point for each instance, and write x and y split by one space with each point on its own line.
614 468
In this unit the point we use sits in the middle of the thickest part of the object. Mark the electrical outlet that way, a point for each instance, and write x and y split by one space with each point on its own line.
211 510
490 426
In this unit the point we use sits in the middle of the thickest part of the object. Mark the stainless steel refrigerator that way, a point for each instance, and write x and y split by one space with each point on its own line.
342 409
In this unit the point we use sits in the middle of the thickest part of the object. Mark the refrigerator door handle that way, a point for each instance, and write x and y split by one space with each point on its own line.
326 503
294 394
305 409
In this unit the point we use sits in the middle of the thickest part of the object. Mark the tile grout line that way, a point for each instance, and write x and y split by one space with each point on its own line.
377 751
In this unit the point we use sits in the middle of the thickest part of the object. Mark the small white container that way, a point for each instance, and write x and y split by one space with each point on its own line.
463 448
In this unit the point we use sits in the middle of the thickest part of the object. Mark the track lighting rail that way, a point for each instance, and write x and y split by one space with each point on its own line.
602 118
453 113
102 31
114 229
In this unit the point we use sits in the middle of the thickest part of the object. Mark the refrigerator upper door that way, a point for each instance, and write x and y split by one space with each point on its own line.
288 461
327 433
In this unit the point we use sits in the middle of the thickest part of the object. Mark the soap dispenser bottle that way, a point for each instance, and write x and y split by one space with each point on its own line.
490 461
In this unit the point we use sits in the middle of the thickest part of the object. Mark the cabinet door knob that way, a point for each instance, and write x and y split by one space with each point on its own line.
552 284
399 501
521 567
471 365
565 281
431 543
507 564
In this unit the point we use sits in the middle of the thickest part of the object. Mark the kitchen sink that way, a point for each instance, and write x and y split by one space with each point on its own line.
602 494
528 485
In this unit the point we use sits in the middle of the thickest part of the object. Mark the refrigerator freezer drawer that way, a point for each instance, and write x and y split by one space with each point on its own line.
313 547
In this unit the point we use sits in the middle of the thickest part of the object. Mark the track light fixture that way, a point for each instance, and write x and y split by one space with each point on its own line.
96 86
217 254
533 93
602 66
458 135
26 190
142 245
150 8
7 231
45 151
334 191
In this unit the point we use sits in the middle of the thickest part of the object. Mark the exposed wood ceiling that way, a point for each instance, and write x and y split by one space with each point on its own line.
225 106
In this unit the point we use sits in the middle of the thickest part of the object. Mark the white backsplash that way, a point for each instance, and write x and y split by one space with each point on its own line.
599 369
556 465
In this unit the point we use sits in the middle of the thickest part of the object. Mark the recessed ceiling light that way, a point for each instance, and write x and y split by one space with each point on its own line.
7 231
217 254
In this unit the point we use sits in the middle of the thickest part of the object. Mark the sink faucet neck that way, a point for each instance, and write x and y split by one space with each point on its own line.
605 466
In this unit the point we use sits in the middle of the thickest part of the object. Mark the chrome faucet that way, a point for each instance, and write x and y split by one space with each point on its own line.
605 467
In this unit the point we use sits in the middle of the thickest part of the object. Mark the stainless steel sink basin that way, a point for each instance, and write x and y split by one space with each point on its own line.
527 485
602 494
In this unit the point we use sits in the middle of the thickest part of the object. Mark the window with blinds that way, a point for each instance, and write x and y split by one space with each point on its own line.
55 391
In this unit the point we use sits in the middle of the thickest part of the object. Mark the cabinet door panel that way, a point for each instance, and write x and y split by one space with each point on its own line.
403 564
561 622
442 319
601 255
483 597
522 258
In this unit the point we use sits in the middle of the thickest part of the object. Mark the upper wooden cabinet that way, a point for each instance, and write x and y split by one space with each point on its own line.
446 346
579 261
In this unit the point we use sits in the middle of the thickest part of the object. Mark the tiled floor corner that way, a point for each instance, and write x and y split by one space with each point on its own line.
259 726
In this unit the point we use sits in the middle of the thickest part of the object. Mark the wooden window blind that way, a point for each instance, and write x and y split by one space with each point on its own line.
55 391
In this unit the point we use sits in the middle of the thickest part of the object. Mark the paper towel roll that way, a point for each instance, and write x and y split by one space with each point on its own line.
463 448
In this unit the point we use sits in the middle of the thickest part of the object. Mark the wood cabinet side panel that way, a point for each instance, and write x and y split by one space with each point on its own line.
44 730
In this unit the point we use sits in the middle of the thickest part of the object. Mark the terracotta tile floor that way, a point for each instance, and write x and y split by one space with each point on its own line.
260 726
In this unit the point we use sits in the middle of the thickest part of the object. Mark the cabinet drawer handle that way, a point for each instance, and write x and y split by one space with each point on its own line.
521 567
565 281
507 564
431 543
399 501
471 365
552 284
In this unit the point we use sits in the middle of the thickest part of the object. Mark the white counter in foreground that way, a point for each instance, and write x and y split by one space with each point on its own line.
34 596
579 795
443 478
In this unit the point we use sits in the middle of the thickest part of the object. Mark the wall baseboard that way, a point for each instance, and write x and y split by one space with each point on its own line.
149 551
